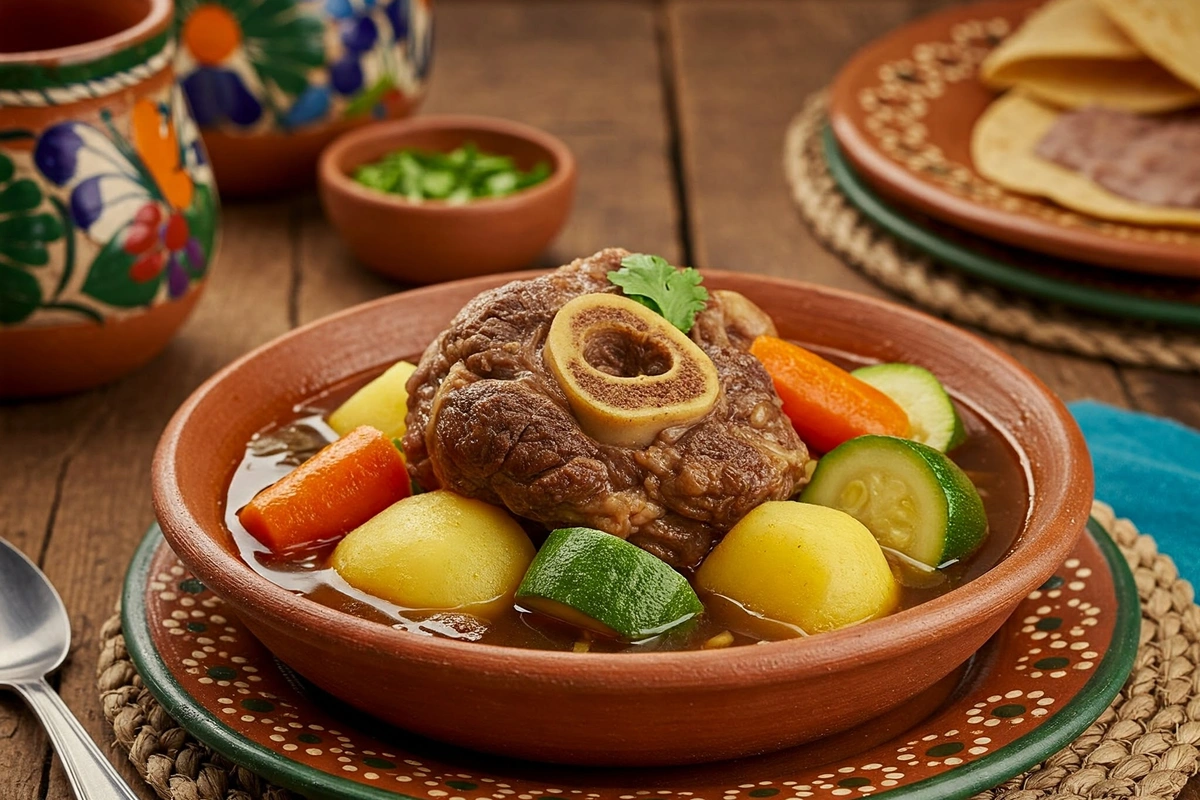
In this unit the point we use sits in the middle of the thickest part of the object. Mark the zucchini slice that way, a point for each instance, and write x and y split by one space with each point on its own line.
911 497
930 410
604 584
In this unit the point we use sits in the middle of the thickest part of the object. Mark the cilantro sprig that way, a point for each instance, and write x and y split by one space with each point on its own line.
676 294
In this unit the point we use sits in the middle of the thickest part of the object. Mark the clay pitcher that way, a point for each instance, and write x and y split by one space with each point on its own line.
108 212
272 82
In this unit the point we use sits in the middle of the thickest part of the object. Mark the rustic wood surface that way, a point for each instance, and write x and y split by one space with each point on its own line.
676 111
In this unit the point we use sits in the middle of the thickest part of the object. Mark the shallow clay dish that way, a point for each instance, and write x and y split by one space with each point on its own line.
903 109
1125 295
1051 670
433 241
651 708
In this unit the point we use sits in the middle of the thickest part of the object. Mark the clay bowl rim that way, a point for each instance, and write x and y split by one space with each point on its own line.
1039 550
158 17
333 171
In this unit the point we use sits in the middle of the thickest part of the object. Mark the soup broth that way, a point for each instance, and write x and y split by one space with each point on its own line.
986 457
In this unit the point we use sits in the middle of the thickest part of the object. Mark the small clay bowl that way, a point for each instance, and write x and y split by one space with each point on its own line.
627 709
433 241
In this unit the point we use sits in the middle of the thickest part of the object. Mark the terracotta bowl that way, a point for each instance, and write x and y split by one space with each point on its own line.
630 709
95 281
432 242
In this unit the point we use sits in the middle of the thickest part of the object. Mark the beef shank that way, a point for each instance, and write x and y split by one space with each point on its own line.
487 419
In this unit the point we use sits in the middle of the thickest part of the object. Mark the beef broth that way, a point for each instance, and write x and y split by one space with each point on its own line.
986 457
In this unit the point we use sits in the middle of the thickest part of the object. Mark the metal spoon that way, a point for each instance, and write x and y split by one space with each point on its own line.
34 637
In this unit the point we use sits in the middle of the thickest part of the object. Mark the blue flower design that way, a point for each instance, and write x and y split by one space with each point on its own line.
358 34
397 15
217 94
375 37
310 106
420 50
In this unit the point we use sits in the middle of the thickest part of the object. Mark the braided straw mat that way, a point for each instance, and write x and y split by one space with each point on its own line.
849 234
1144 745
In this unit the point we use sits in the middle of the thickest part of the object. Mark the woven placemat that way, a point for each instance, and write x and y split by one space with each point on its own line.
1144 745
848 233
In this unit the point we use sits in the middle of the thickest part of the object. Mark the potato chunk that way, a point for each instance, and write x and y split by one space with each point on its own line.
382 404
437 551
791 568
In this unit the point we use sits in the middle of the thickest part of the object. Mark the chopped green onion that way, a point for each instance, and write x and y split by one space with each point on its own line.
456 177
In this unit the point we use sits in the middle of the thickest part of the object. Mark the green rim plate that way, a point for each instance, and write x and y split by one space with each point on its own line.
997 270
348 757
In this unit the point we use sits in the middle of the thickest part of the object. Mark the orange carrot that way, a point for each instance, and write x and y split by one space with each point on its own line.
826 404
341 487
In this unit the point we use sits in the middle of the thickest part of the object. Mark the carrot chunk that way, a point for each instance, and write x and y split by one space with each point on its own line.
341 487
826 404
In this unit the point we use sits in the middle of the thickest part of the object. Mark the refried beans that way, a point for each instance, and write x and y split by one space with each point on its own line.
1150 159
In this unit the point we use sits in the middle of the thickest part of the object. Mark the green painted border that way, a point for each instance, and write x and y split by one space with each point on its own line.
197 721
1109 302
1059 730
1072 719
37 77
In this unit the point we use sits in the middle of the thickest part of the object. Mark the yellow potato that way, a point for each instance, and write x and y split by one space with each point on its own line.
437 551
382 404
808 567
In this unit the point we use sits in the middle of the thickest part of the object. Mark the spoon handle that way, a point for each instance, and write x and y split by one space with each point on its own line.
91 775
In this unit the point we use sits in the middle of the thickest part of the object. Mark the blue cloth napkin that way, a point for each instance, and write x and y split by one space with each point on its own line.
1148 469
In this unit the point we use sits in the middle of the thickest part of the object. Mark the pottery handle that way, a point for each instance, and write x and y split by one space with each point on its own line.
91 775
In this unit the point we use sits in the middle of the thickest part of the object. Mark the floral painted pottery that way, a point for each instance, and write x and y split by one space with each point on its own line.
433 241
1049 672
108 213
621 709
272 81
903 110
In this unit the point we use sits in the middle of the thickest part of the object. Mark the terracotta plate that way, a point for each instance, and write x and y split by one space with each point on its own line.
1149 298
903 109
1040 682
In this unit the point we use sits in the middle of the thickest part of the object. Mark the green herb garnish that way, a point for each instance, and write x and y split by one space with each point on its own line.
674 293
459 176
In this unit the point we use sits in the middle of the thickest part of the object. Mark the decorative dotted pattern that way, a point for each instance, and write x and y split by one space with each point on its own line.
954 295
897 107
229 673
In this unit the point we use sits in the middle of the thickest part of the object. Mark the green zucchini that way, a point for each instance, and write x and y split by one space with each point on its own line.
911 497
930 410
604 584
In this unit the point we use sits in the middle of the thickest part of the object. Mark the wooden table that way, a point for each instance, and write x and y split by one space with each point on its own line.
676 111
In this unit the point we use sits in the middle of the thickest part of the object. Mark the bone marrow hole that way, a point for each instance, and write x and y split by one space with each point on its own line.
626 372
626 353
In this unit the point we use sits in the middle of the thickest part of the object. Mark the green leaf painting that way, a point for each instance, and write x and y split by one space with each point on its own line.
25 234
109 281
20 294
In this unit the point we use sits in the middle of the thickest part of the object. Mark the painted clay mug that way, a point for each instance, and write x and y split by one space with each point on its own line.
271 82
108 212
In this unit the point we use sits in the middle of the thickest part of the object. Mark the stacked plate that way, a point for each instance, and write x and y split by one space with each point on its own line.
1041 147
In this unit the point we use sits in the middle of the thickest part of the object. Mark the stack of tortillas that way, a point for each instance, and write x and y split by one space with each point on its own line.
1139 56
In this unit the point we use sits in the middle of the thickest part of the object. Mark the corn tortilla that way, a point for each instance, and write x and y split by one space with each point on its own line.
1003 146
1068 53
1166 30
